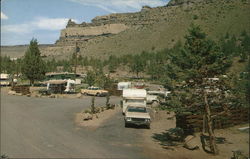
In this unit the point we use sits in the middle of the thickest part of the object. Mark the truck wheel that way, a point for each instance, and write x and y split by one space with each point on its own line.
98 94
155 104
85 93
148 126
126 125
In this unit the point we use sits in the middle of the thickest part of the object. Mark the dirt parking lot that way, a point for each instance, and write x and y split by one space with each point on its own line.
45 128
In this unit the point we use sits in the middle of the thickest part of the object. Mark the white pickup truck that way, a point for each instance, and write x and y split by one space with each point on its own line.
137 115
135 107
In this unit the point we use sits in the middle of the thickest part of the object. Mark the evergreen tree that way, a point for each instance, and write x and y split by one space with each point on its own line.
33 67
201 59
90 78
137 65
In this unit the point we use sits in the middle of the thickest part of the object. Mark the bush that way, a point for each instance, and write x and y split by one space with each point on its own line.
195 17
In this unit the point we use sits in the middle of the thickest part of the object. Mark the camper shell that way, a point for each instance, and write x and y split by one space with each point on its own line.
133 97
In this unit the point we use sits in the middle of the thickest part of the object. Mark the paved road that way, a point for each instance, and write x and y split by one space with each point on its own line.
44 128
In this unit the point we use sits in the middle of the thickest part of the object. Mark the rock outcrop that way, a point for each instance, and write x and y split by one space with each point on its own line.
108 25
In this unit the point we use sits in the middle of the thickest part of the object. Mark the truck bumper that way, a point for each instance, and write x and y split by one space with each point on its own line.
138 123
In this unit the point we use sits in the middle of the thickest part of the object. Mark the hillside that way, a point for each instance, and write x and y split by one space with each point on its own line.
18 50
151 29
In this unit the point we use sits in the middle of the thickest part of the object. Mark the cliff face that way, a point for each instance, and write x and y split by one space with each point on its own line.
71 35
108 25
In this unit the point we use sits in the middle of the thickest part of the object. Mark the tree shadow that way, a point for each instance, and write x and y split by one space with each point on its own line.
205 142
171 137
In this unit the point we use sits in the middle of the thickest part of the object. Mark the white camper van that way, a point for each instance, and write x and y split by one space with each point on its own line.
5 79
133 97
123 85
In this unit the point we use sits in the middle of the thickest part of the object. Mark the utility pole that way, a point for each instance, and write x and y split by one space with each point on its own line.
77 49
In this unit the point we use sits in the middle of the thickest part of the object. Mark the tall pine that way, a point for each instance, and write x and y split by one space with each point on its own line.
33 67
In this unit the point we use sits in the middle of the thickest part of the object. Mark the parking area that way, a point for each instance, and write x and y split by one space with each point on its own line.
44 128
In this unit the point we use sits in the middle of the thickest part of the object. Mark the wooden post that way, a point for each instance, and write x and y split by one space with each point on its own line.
107 101
93 105
204 125
212 143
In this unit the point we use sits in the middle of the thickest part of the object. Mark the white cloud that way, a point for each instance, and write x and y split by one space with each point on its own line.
18 28
114 6
39 23
49 23
3 16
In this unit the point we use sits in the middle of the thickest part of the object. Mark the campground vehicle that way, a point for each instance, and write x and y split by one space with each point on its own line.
159 93
5 79
60 86
123 85
137 115
94 91
133 97
152 98
139 85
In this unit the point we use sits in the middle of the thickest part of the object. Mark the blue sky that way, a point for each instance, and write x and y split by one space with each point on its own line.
21 20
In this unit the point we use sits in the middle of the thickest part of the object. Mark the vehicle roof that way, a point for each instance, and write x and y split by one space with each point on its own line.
134 93
93 87
4 75
56 81
124 83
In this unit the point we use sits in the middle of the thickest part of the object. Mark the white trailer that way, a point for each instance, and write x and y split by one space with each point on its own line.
61 86
133 97
123 85
5 79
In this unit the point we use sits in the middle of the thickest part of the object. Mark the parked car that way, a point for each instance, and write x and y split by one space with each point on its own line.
94 91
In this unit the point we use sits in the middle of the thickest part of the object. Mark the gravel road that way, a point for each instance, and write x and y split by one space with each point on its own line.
45 128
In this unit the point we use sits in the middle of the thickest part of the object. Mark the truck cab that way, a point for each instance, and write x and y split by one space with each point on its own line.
137 115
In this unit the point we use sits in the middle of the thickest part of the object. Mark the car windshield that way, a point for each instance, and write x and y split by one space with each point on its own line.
135 100
94 88
137 109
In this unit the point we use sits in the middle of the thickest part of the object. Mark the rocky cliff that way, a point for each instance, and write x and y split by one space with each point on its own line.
108 25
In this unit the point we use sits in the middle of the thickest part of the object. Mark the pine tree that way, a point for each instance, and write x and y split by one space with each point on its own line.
201 59
137 65
33 67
